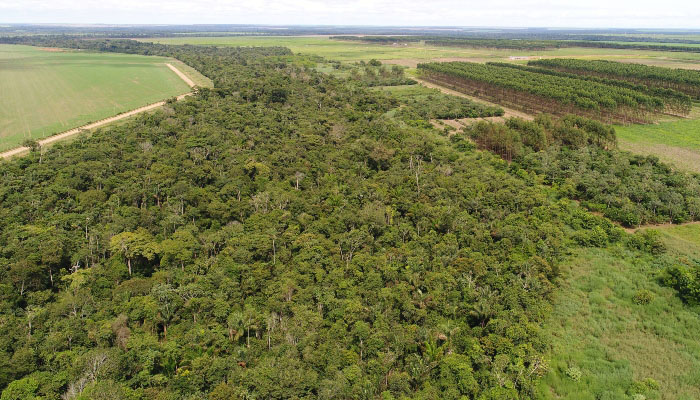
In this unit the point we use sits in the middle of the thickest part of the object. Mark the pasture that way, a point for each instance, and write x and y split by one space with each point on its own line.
614 343
46 91
674 141
684 239
413 53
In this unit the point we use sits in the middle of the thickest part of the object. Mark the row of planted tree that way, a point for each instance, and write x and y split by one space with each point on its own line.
536 89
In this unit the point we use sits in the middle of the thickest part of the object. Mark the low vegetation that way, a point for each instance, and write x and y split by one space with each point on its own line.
675 142
606 344
42 94
373 73
418 103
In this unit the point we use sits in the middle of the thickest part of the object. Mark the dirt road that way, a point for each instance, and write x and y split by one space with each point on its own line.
509 112
182 76
22 150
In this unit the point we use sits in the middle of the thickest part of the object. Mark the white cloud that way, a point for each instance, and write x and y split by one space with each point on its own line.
591 13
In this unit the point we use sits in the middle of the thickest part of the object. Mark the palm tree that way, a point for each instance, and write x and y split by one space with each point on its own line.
236 324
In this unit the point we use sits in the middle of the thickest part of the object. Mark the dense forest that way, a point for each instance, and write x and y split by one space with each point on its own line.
578 157
290 234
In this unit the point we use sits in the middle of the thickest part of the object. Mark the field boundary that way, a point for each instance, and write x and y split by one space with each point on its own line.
660 226
182 76
63 135
509 112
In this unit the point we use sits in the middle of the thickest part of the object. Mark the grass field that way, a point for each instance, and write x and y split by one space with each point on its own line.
683 239
412 53
600 331
676 142
691 45
46 91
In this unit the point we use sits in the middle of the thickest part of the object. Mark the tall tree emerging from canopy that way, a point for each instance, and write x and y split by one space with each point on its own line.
131 245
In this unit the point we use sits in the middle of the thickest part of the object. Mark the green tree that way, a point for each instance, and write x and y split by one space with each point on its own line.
134 244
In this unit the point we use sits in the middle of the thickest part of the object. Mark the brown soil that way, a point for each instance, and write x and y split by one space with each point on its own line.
182 76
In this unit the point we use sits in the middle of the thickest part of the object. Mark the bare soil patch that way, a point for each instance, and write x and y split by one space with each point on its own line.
182 76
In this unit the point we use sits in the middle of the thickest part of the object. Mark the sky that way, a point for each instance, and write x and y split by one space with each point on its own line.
670 14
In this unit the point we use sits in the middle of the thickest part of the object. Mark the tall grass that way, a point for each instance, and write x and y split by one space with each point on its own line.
600 328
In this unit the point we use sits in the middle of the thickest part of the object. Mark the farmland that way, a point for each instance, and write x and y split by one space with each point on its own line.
412 53
533 90
46 91
677 141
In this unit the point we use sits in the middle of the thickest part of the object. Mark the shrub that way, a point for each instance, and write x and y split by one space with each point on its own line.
648 240
643 297
574 373
685 279
639 390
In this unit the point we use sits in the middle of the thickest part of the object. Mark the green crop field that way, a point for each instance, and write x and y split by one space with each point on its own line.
676 142
415 52
45 91
614 343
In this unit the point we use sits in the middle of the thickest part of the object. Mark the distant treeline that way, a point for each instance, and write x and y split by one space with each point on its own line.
458 42
515 43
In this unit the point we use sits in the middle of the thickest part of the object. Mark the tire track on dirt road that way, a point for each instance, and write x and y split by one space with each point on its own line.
182 76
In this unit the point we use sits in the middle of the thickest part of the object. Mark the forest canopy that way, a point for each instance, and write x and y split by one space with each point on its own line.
285 235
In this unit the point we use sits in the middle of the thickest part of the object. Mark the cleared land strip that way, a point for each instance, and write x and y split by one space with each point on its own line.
660 226
54 138
509 112
182 76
